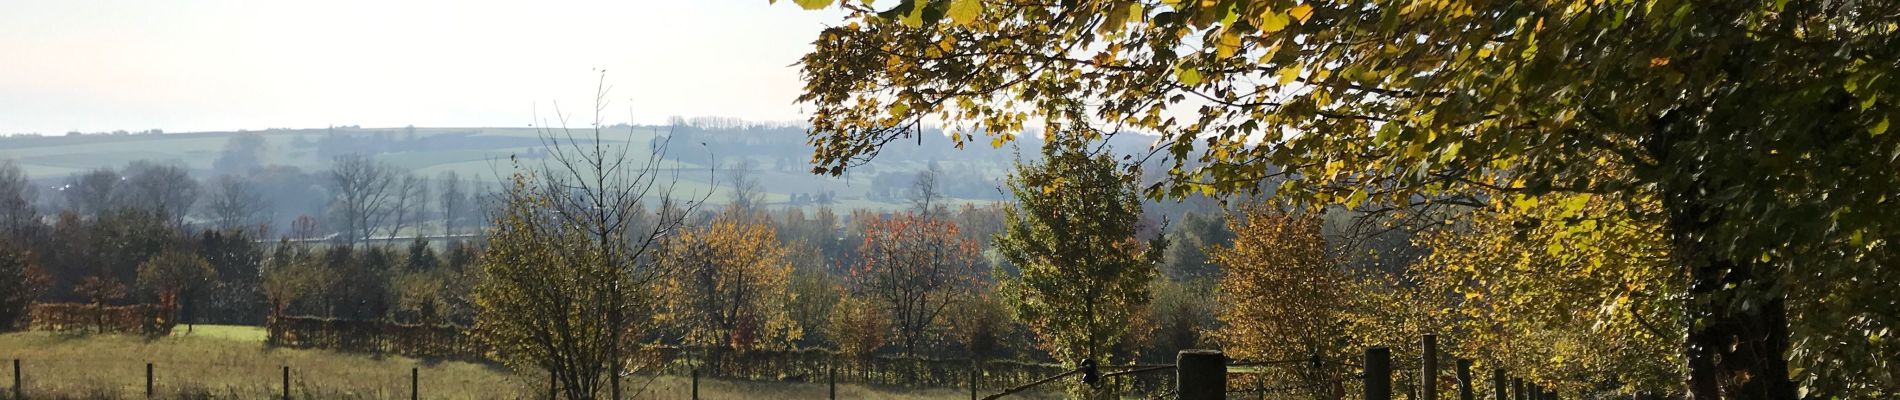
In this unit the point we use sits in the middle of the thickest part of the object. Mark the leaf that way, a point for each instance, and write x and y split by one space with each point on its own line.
813 4
1301 12
1229 43
1357 196
1271 22
964 11
1289 74
1879 128
1187 76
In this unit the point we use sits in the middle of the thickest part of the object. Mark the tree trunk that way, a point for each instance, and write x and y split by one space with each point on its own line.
1738 337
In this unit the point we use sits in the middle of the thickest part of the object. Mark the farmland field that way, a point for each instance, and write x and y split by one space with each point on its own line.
232 362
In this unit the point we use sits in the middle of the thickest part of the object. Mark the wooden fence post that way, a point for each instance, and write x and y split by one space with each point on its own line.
832 378
286 382
1466 391
695 383
1428 362
148 381
1517 389
1378 379
1499 385
18 391
1200 375
415 380
974 368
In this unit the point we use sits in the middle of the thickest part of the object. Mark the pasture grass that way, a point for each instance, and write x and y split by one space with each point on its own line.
231 362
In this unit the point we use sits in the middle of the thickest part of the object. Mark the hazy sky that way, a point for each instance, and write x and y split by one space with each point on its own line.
99 65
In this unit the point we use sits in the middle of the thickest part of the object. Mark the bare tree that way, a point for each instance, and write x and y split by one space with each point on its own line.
411 203
452 198
235 203
361 189
163 188
90 193
596 189
747 194
16 198
926 193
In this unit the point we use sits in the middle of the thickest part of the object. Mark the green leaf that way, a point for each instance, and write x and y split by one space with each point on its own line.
1272 21
1879 128
1357 196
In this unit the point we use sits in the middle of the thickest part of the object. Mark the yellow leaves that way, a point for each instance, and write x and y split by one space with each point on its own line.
1301 12
1289 73
1272 21
964 11
1228 44
811 4
1357 197
1187 75
1879 128
1659 61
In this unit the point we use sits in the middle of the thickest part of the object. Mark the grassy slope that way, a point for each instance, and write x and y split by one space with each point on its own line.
232 362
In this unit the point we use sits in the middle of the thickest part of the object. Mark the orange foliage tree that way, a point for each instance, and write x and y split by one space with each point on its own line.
914 267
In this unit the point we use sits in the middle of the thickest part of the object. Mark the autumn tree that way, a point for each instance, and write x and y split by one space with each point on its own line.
16 199
598 210
21 282
1083 271
181 275
1283 294
727 286
1758 126
235 203
915 267
164 189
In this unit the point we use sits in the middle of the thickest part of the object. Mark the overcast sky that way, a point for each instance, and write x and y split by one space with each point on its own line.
100 65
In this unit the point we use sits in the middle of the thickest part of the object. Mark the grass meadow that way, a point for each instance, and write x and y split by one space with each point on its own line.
231 362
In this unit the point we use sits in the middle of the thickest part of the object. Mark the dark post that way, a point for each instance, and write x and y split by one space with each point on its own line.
1499 385
695 383
1428 376
832 378
1466 391
18 391
1532 392
148 381
1200 375
286 382
973 370
1517 389
415 378
1378 373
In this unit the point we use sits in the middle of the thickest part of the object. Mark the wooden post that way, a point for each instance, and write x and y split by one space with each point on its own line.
1466 391
1517 389
148 381
695 383
1499 385
1532 392
415 378
832 378
1378 380
1428 362
1200 375
973 372
286 382
18 391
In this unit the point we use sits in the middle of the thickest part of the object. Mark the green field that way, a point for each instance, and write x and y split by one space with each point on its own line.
232 362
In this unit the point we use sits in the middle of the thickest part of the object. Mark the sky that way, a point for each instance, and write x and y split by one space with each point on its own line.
180 66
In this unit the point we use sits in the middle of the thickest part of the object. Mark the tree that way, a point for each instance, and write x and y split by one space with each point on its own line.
1284 294
747 193
1760 126
21 281
180 274
235 203
164 189
585 206
361 189
16 200
1594 299
242 153
452 200
91 193
411 204
238 295
915 268
1072 234
728 284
